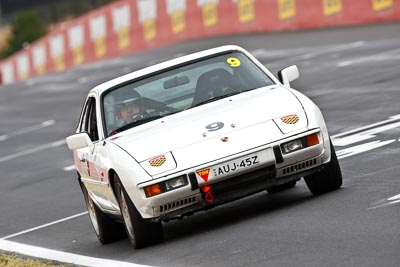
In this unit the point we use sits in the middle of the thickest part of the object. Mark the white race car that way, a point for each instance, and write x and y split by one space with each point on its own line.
191 133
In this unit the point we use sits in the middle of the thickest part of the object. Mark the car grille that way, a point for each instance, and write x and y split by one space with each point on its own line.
299 166
177 204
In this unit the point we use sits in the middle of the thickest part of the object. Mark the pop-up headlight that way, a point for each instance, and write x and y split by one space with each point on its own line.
176 183
292 146
300 143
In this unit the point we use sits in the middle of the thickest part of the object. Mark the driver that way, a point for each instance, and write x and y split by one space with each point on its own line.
129 108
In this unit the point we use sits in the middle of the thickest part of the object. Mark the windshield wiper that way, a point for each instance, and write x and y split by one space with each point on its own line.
215 99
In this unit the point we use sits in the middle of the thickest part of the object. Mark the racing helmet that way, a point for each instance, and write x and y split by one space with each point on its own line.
131 101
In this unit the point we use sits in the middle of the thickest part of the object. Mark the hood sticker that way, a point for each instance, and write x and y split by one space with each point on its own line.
204 174
290 119
157 161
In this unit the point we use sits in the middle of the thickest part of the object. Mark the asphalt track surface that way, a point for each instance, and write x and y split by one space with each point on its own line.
353 74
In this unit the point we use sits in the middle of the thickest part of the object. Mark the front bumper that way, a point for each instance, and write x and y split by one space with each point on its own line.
191 198
227 191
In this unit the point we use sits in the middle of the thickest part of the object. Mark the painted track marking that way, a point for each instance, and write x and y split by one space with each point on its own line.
59 256
362 134
386 202
391 119
384 56
32 150
55 255
354 150
322 51
27 130
44 225
69 168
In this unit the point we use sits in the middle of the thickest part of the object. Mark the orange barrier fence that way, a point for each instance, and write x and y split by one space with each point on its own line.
129 26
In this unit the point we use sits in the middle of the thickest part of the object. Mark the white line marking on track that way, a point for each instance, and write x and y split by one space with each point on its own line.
28 129
351 151
60 256
179 55
127 69
54 255
45 225
396 197
383 56
394 202
365 132
83 80
32 150
322 51
69 168
386 202
345 63
362 136
391 118
267 53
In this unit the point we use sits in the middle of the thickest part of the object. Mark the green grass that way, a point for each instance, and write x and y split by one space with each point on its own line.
16 261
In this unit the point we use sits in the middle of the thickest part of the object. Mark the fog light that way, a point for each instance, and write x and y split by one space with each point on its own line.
292 146
176 183
162 187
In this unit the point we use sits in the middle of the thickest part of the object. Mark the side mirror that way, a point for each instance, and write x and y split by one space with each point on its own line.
79 140
288 75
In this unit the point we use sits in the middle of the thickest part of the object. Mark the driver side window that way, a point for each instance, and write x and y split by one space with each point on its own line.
89 120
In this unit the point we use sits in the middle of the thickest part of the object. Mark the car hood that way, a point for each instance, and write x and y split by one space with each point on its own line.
193 137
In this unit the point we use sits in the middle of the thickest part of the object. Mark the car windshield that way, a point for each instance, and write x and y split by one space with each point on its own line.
177 89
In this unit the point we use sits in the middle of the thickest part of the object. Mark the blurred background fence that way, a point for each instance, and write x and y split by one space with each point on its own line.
129 26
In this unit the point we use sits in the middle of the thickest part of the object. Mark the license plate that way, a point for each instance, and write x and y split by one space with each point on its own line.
236 165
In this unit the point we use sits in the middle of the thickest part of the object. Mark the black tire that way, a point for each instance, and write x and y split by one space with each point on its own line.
281 187
329 179
140 232
107 230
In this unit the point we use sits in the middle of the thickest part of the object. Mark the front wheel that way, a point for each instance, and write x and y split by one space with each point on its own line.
107 230
330 178
140 232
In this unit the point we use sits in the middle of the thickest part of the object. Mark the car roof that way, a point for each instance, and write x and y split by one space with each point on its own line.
101 88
